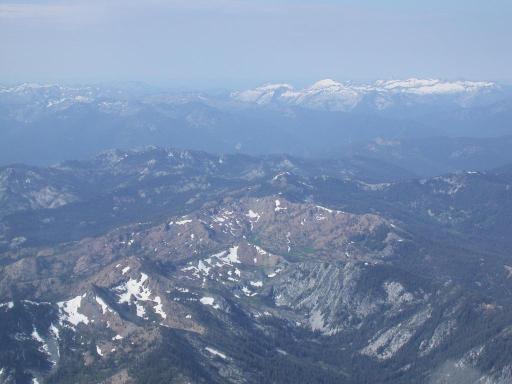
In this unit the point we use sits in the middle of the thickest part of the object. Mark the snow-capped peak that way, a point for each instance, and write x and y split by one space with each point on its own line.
326 83
432 86
263 94
334 95
274 87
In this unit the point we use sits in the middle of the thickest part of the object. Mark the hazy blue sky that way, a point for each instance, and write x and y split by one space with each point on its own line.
236 43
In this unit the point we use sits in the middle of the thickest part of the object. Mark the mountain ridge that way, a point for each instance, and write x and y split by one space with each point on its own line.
227 268
334 95
78 122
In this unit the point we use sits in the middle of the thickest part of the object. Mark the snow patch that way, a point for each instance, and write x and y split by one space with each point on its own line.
216 353
158 308
8 305
209 301
55 331
253 215
37 337
104 307
139 291
69 311
278 206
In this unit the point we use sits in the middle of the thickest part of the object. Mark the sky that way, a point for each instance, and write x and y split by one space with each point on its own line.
242 43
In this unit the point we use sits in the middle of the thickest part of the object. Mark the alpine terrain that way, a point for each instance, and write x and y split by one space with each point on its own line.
173 266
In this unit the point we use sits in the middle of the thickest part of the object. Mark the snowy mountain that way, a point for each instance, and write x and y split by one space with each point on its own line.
332 95
77 121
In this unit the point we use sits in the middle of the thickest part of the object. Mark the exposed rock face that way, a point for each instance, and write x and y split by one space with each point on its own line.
250 283
22 189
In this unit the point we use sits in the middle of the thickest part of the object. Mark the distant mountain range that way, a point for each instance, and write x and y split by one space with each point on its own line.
383 94
325 94
44 124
